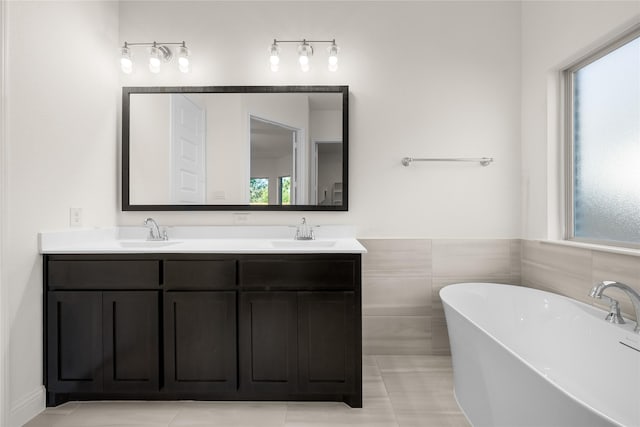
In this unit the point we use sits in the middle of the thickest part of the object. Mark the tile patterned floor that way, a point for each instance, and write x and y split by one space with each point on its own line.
399 391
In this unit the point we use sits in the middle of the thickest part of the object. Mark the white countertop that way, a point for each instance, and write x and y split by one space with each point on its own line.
200 239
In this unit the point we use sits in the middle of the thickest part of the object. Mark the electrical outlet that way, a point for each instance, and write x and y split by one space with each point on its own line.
75 217
241 218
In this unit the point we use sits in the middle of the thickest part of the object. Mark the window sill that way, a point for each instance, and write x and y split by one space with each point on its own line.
594 247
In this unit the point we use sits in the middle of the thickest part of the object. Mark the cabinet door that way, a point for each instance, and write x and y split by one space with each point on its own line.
268 342
131 341
326 322
200 341
74 340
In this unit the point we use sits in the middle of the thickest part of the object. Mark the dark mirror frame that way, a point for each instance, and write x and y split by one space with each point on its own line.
127 91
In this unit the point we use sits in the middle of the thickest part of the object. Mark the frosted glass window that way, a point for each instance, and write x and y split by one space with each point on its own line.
606 146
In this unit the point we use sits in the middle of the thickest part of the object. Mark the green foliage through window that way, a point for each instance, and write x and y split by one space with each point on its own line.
259 191
285 190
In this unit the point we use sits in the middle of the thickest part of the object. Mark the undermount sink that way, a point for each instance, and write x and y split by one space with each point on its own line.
146 243
303 243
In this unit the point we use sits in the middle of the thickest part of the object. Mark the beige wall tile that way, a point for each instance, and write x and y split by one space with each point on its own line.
621 268
563 258
401 281
396 257
439 337
396 296
560 269
570 281
468 258
396 335
573 271
515 248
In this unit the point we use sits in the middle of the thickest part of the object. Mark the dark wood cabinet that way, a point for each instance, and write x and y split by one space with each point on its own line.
268 342
130 336
74 332
200 341
327 325
203 327
299 342
102 341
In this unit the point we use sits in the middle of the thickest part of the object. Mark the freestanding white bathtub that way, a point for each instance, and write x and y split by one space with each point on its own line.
523 357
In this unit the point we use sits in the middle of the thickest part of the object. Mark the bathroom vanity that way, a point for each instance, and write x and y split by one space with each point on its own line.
261 321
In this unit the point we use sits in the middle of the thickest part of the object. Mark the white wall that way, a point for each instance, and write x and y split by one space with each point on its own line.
426 79
555 34
150 149
61 130
329 171
4 306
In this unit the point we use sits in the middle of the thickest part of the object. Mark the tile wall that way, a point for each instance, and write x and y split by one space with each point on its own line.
573 271
401 278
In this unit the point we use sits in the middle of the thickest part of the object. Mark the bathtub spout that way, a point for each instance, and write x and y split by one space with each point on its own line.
598 289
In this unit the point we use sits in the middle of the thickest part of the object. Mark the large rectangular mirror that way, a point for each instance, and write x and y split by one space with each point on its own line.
235 148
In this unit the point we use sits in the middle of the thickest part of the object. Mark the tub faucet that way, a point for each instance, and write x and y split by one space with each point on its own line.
614 314
154 230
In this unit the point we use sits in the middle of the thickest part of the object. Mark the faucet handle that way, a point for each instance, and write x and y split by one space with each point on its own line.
614 315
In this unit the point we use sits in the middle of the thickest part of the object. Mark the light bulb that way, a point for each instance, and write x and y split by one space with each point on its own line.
304 52
274 57
154 60
333 57
183 59
126 64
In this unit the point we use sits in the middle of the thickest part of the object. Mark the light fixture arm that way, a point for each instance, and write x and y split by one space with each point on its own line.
156 44
305 41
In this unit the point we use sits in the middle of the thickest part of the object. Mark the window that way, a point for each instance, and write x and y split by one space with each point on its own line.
284 190
603 134
259 191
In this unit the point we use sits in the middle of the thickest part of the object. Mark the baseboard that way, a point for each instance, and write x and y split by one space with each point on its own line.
26 408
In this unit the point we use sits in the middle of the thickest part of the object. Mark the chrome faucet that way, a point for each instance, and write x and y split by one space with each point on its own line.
304 231
614 310
154 230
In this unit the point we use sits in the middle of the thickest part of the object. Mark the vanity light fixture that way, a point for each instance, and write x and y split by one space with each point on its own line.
305 52
274 56
183 59
158 53
126 63
333 57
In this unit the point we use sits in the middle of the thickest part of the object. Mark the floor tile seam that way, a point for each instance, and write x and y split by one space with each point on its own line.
386 391
176 415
